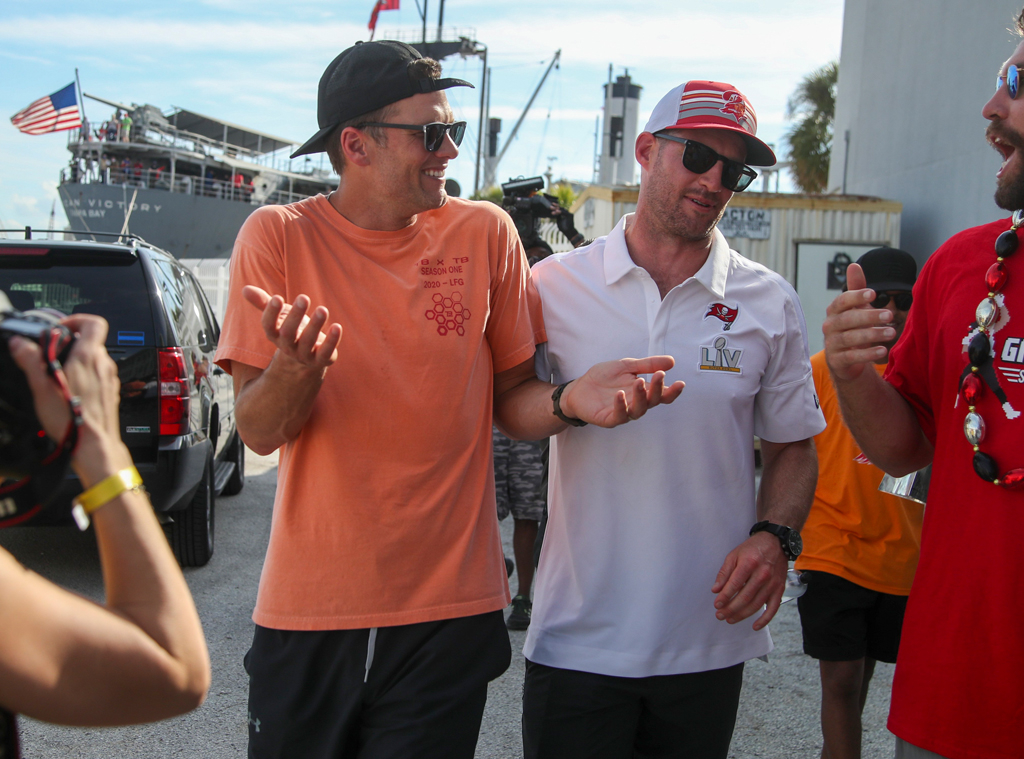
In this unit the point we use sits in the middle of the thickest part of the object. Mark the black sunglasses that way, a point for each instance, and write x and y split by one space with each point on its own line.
433 133
1012 80
903 301
699 158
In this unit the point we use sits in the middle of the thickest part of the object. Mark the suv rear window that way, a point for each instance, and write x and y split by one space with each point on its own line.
72 284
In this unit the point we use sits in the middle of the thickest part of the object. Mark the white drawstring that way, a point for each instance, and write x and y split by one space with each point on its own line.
371 643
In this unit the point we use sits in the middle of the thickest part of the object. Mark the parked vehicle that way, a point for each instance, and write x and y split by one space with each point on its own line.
177 406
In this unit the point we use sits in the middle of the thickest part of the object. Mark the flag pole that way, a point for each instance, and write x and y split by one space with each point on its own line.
81 100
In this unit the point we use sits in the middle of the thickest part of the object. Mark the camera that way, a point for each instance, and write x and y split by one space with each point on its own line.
32 466
527 205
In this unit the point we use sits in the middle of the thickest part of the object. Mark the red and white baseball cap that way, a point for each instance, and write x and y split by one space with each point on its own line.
711 105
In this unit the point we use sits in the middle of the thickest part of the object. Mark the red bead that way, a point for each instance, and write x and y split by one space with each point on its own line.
996 276
971 389
1013 480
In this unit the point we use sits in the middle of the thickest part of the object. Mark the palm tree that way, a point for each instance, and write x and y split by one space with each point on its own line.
810 139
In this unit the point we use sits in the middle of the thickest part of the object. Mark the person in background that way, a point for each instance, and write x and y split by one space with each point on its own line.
141 655
521 490
126 127
860 545
953 396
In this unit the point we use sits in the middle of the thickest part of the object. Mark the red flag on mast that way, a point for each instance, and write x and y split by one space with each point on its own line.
381 5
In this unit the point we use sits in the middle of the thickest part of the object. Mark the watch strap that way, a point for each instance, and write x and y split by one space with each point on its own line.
783 533
557 408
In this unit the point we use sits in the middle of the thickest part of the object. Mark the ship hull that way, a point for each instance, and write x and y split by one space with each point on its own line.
187 226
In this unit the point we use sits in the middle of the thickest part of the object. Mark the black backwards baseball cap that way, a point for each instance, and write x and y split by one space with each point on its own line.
889 269
365 77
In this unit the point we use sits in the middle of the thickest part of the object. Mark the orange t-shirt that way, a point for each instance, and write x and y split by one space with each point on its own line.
854 530
385 512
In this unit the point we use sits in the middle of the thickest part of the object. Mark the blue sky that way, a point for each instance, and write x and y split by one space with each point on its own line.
257 63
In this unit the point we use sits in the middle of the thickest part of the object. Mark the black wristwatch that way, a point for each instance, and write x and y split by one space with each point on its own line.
557 408
792 544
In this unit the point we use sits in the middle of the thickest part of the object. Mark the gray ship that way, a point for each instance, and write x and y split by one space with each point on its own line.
184 182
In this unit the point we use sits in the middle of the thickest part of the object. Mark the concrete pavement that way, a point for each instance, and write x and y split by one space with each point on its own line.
778 716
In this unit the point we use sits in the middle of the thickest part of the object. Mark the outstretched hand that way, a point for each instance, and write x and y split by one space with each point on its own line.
295 334
853 330
613 392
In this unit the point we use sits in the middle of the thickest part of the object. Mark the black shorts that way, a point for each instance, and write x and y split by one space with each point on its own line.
581 715
843 621
393 693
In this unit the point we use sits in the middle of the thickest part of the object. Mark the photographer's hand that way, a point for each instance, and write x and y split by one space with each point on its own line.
565 222
143 656
92 376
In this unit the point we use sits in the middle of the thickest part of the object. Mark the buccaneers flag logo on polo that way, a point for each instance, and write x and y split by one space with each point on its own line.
723 312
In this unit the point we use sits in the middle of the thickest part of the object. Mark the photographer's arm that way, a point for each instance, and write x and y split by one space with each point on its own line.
64 659
273 404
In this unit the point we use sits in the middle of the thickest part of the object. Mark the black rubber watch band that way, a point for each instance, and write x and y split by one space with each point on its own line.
789 539
557 408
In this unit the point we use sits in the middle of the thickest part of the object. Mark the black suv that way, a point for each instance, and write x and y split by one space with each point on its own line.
177 406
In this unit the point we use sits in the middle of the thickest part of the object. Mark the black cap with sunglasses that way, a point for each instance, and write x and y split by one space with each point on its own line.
369 76
887 270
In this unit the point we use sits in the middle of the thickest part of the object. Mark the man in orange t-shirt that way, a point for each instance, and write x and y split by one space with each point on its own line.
860 545
378 618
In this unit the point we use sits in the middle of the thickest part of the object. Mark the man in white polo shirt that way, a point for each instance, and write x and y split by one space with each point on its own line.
657 546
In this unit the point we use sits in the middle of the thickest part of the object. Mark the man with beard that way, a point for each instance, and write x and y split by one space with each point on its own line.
952 396
656 546
860 545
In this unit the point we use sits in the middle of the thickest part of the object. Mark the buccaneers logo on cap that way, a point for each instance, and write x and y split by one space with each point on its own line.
723 312
734 106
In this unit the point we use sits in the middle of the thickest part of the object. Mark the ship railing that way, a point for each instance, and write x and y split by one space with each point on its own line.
168 136
159 179
416 35
183 184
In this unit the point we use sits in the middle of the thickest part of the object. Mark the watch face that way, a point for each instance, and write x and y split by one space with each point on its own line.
796 543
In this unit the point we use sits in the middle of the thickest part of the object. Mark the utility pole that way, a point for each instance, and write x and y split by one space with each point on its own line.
512 134
484 87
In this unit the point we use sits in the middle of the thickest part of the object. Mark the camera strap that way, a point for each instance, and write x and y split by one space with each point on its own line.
9 744
22 499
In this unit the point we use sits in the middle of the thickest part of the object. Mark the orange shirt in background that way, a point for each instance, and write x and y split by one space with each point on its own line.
855 531
385 511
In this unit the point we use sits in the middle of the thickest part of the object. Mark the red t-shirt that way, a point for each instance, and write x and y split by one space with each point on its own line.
959 684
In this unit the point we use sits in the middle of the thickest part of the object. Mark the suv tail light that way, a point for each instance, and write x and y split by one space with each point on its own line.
175 392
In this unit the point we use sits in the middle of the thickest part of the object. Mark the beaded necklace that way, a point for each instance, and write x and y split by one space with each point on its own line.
979 353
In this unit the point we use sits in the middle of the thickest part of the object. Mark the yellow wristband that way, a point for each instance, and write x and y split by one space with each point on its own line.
104 492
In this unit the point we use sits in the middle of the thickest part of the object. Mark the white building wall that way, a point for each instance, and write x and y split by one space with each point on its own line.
913 77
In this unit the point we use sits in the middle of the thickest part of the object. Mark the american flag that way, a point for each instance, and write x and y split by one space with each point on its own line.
53 113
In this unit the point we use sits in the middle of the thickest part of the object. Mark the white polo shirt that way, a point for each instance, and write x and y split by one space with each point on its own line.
642 516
